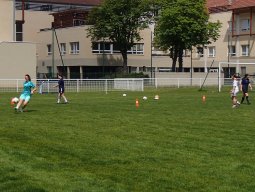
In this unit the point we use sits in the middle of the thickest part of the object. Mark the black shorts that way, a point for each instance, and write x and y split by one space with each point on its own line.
245 90
61 90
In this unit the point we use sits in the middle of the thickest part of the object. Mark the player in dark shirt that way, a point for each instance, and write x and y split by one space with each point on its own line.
61 89
245 85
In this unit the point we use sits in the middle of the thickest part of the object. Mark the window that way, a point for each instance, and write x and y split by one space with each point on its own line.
78 22
49 69
137 49
49 49
19 31
232 50
107 47
102 47
245 50
116 48
46 8
200 51
74 48
211 52
186 53
243 71
63 48
245 24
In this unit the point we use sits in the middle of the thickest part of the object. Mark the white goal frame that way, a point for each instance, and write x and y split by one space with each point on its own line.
228 63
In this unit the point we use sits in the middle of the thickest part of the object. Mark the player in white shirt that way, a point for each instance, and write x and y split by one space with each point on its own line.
234 91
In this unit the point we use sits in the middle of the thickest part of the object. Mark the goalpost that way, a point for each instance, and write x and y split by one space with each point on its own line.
238 70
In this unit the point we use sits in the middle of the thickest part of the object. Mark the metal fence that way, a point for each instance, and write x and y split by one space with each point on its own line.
105 85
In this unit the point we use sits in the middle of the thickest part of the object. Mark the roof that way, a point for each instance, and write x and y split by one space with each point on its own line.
215 6
217 3
238 4
68 2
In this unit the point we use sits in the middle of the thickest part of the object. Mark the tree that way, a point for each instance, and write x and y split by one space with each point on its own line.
183 24
119 21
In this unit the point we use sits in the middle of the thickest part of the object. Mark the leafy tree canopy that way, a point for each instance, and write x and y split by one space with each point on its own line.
186 23
120 22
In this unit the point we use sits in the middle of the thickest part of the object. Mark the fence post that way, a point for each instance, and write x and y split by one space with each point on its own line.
105 85
143 84
156 82
17 86
48 86
178 80
77 84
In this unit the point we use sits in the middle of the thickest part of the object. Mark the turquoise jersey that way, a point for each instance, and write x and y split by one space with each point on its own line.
28 85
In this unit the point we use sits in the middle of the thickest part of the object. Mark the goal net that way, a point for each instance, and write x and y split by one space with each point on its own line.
227 69
128 84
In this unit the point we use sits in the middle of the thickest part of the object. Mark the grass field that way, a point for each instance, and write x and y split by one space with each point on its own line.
102 142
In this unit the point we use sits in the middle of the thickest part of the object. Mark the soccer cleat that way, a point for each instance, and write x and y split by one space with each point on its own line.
234 106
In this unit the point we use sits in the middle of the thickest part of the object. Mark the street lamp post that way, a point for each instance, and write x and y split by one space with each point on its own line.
151 52
191 67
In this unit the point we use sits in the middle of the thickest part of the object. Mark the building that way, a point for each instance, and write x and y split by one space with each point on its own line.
16 58
68 49
79 58
235 44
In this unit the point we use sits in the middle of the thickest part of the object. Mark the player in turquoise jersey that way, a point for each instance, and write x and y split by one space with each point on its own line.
28 90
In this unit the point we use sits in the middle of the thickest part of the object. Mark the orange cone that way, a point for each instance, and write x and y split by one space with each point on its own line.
136 103
203 98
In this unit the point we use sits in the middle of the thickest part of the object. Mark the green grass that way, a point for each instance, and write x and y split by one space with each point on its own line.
102 142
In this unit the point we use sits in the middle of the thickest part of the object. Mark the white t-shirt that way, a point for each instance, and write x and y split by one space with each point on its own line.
235 85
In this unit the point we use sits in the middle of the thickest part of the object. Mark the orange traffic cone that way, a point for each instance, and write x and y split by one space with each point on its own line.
203 98
136 103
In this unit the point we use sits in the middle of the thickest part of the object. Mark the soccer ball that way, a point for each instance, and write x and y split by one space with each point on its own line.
14 100
124 95
144 98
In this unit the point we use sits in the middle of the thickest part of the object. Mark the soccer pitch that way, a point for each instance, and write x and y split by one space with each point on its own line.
103 142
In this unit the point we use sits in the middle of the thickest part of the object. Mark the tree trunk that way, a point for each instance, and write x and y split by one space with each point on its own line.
124 57
174 58
180 59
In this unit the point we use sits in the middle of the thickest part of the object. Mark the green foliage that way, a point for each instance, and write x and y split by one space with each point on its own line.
102 142
119 21
183 24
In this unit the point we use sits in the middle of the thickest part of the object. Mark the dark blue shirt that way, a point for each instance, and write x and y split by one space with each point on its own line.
61 83
245 83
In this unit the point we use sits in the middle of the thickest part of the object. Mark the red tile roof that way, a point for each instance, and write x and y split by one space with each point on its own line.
217 3
242 4
70 2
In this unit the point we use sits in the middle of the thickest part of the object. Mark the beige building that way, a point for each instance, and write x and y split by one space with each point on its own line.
81 58
16 58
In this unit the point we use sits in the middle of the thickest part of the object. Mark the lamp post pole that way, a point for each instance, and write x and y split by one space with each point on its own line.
228 55
53 56
191 67
151 52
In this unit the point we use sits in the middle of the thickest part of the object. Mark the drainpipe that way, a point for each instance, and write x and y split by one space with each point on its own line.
23 11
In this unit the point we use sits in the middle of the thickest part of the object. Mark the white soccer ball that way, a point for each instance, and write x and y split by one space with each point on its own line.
145 98
124 95
15 100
